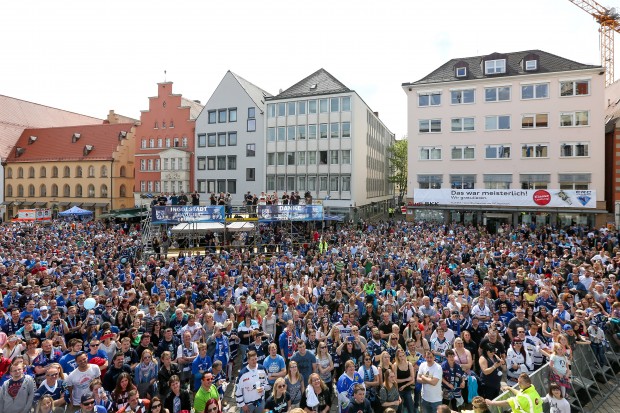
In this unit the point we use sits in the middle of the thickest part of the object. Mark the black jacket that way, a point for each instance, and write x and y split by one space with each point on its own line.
185 401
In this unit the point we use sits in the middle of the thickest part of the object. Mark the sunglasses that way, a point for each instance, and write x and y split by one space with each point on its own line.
281 386
88 403
155 406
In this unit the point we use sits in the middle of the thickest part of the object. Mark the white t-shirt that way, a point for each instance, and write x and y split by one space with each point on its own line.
557 405
430 393
80 381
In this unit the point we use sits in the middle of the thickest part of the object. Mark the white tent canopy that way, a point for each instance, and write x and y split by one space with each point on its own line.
191 227
240 226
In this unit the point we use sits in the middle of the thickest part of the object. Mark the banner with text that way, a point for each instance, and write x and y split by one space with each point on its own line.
188 213
553 198
270 213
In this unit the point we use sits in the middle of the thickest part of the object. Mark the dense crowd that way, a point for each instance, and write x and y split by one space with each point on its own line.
387 317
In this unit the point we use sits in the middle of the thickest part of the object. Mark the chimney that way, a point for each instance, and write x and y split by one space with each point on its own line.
376 114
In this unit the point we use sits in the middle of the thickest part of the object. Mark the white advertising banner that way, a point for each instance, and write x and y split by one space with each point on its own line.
552 198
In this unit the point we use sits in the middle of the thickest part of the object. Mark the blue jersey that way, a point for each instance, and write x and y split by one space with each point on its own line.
345 387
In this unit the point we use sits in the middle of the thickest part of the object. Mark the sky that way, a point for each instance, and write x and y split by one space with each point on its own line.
92 56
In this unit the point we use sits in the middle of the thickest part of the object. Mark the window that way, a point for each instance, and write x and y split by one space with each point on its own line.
301 132
9 173
54 190
346 157
290 158
271 183
570 150
575 182
430 181
250 174
212 116
20 191
78 172
301 183
211 163
538 120
66 191
143 144
430 126
123 171
281 109
20 172
301 107
462 181
281 133
143 164
271 134
221 185
534 181
579 118
151 143
42 172
312 158
66 174
312 183
176 142
461 72
211 185
334 105
221 116
333 158
322 157
271 159
312 106
311 131
322 183
280 183
78 191
346 184
165 164
575 88
534 151
301 158
280 158
221 139
31 172
429 99
221 163
346 104
497 152
333 183
43 190
232 138
460 97
429 153
232 186
291 108
537 91
157 164
91 171
202 163
142 186
173 164
232 114
171 125
334 130
531 65
323 130
149 165
462 124
159 142
122 191
184 142
501 122
497 94
251 119
323 105
202 140
91 191
202 186
232 162
346 129
271 110
290 133
167 142
104 171
250 149
497 181
55 172
492 67
463 152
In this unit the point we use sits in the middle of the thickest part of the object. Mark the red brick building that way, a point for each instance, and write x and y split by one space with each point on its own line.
165 144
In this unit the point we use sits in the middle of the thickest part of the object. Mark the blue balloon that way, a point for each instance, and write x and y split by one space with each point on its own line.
90 303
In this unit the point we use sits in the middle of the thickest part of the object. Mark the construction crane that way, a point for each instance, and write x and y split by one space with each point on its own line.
610 23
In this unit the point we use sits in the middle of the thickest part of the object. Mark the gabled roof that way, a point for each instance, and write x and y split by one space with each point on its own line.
320 82
17 115
59 144
255 93
194 107
547 63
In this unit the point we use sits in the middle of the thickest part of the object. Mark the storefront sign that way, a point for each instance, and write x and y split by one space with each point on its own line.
188 213
269 213
30 215
553 198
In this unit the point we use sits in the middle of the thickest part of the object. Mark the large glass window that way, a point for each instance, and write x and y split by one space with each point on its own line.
535 120
323 130
430 126
221 118
221 139
202 163
221 163
462 124
281 109
301 132
301 107
430 153
334 130
212 140
492 67
536 91
232 114
291 108
579 118
311 131
323 103
212 116
232 162
572 149
281 133
334 105
575 88
290 133
463 152
497 152
312 106
535 150
346 129
346 104
250 149
497 94
232 138
429 99
271 134
501 122
459 97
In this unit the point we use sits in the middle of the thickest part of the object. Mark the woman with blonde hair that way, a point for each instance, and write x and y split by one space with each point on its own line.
405 379
145 375
279 400
325 365
46 405
318 396
389 394
385 363
295 384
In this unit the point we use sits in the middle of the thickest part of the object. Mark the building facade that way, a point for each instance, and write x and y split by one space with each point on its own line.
230 140
165 144
90 166
515 138
322 138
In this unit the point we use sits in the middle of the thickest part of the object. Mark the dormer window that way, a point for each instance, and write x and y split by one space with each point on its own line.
531 65
461 72
493 67
88 149
32 140
75 137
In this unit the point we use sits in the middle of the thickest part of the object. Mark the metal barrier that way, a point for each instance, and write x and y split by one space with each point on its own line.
592 384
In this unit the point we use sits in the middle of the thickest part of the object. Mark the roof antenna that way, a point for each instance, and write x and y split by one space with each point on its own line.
164 76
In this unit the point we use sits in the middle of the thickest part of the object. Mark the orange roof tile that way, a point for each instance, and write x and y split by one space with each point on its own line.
17 114
58 143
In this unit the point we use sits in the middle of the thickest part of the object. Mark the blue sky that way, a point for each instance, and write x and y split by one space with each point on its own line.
92 56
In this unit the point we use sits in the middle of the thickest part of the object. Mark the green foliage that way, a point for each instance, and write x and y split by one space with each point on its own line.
397 155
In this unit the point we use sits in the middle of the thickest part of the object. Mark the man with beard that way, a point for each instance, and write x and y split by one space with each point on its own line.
376 346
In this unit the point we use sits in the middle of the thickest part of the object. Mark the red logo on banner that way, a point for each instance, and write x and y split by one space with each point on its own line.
542 197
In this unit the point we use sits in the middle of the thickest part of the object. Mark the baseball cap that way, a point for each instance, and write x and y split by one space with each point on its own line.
86 397
567 327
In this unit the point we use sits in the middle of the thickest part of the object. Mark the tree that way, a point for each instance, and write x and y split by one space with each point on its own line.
397 154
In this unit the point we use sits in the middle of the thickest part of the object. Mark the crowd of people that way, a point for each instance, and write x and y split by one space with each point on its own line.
388 317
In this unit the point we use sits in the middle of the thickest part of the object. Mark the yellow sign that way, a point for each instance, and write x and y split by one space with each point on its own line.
241 219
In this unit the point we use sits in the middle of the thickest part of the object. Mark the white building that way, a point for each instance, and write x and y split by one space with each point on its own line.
230 141
323 138
507 138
